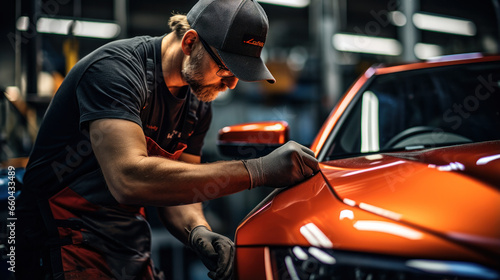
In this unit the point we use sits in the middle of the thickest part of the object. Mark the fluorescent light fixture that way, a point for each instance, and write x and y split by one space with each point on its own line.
288 3
22 23
390 228
94 29
366 44
97 29
444 24
397 18
53 26
427 51
369 123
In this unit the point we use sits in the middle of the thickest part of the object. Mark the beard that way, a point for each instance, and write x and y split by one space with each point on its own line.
192 74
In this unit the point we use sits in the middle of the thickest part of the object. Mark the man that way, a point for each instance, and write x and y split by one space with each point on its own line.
125 130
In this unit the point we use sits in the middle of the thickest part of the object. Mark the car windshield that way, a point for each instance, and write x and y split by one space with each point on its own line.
414 109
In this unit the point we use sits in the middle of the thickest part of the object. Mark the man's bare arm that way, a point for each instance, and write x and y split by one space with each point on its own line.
135 178
181 219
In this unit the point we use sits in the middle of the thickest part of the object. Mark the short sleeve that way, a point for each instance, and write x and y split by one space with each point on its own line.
113 87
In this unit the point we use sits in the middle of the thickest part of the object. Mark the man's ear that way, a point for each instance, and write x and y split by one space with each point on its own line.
188 41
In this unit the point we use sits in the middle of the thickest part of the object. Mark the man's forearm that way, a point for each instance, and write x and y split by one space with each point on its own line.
133 177
163 182
181 219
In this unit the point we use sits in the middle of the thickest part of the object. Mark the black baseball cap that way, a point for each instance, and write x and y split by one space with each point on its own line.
237 29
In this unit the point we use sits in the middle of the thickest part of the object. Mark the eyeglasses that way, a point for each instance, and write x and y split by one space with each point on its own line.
223 72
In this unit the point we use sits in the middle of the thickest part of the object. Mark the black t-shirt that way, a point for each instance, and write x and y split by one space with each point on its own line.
111 82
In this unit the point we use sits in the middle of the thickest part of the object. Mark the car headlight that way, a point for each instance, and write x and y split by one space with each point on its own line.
299 263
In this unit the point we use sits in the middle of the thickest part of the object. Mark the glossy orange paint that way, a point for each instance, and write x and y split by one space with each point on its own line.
448 192
269 132
350 224
439 204
253 263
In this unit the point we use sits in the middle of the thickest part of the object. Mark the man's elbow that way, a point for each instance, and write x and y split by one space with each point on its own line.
124 190
121 196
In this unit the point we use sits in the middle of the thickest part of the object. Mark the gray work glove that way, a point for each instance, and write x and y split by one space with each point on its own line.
215 251
287 165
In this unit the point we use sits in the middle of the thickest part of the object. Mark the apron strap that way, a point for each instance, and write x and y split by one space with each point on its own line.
53 242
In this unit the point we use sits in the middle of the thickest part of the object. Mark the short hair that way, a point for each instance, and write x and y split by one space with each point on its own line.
179 25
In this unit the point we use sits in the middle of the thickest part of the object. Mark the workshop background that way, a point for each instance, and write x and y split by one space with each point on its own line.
315 49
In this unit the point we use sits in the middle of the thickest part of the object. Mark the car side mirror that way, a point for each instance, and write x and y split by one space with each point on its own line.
251 140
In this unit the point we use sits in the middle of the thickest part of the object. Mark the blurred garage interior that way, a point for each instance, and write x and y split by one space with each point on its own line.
315 49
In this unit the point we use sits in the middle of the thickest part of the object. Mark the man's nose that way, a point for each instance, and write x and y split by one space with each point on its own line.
230 82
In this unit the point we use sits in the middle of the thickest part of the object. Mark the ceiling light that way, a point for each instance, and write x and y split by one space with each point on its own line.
444 24
22 23
366 44
81 28
427 51
96 29
397 18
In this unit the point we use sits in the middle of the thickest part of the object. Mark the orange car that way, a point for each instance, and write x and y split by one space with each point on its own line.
409 186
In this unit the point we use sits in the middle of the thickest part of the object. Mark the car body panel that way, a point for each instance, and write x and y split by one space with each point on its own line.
358 227
417 202
424 189
254 263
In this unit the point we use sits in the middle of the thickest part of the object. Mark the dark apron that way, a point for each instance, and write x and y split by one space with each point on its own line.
92 241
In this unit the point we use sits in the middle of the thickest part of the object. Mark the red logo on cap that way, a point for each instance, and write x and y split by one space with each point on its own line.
254 42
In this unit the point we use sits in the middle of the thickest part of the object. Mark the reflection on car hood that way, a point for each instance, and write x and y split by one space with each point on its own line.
452 192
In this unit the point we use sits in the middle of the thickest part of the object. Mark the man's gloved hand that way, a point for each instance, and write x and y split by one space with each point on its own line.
215 251
287 165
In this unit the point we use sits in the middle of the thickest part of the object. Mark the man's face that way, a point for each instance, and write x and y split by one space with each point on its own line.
195 73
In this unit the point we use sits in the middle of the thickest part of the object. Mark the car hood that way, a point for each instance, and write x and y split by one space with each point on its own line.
439 203
451 192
